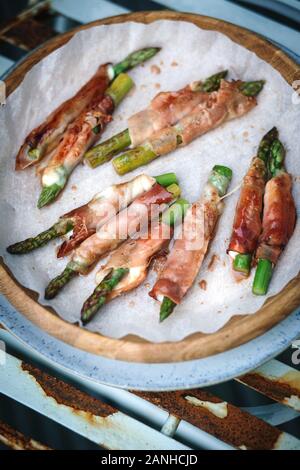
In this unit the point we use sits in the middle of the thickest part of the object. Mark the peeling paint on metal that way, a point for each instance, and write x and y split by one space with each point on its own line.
292 402
170 426
65 394
277 381
76 410
238 428
220 410
286 442
243 447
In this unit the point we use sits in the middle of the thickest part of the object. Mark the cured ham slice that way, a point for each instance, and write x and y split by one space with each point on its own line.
104 205
247 222
279 218
46 136
124 225
188 252
79 136
135 255
165 109
223 105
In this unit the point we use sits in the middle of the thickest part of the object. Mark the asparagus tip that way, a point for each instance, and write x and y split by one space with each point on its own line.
276 158
13 249
252 88
56 284
166 309
30 244
99 296
213 82
135 58
48 194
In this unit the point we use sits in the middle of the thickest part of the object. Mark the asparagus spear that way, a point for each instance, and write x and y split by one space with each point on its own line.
56 284
219 178
65 224
242 261
212 83
44 138
166 308
59 229
106 150
278 221
70 153
144 154
100 295
74 268
134 59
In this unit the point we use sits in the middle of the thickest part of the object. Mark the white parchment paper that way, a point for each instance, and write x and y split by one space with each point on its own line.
188 53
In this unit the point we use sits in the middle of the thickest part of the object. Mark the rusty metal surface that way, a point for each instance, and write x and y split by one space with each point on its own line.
277 381
65 394
76 410
221 419
211 424
28 34
30 28
17 441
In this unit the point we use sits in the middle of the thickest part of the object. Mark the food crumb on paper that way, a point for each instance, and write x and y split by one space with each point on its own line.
155 69
213 261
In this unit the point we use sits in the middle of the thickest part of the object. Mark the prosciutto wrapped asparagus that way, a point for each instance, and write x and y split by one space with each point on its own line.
84 220
128 266
279 219
248 214
231 100
186 257
46 136
165 109
124 225
79 136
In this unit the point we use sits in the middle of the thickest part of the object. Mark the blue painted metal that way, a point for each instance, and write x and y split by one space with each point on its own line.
115 431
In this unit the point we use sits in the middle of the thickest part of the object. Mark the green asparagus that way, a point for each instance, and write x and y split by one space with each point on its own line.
59 172
62 227
220 178
172 215
242 261
134 59
144 154
106 150
65 225
56 284
166 308
264 269
99 296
